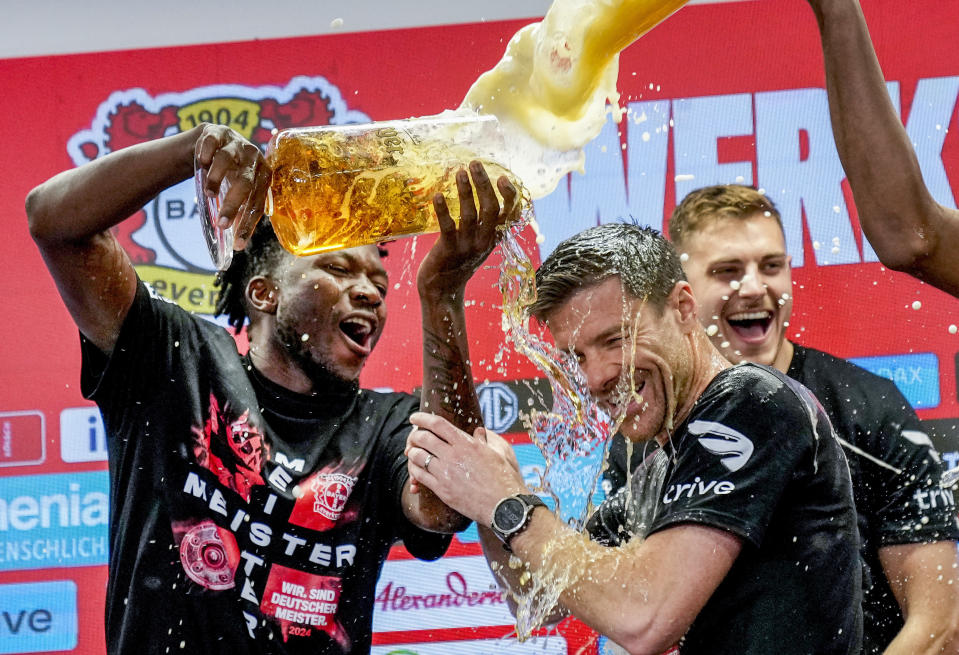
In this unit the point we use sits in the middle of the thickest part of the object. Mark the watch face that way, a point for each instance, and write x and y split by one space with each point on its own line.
509 515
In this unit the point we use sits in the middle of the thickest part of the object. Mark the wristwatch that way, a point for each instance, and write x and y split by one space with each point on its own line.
511 516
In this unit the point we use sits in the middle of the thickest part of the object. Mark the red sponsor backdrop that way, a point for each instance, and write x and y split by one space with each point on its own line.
760 59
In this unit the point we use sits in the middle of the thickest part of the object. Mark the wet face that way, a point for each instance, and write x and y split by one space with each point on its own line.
740 274
331 310
632 354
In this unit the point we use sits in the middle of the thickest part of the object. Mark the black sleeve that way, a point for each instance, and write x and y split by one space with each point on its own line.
131 377
421 543
744 441
607 525
915 508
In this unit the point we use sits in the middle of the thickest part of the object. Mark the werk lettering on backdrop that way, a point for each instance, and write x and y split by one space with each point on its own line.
930 114
796 163
698 123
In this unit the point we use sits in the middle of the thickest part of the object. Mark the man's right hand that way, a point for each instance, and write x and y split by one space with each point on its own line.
71 215
231 159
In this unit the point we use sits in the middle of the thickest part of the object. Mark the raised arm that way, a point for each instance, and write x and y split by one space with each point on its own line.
448 388
71 215
909 230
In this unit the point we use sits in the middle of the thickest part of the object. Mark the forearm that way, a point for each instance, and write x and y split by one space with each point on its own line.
895 208
612 590
427 511
80 203
448 388
924 578
921 637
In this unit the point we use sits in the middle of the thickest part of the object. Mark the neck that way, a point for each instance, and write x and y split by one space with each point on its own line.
707 363
278 365
784 356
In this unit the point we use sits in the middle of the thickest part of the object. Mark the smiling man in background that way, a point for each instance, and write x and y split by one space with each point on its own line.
734 254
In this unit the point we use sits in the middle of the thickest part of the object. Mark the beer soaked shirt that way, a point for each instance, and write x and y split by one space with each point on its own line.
903 507
757 457
244 518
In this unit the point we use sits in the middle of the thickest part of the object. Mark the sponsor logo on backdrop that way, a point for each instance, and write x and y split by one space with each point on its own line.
790 152
549 645
51 521
164 238
38 617
453 592
915 375
82 437
499 404
22 438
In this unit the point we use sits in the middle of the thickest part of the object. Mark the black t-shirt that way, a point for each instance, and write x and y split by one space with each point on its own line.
893 508
870 413
244 518
757 457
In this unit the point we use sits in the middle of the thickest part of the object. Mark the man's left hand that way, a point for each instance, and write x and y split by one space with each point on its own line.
468 473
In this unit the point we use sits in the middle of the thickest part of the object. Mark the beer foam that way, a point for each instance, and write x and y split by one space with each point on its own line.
556 83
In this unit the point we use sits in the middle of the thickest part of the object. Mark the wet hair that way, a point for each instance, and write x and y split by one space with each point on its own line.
640 256
261 257
704 206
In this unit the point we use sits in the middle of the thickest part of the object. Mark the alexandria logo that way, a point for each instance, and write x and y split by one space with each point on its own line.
731 446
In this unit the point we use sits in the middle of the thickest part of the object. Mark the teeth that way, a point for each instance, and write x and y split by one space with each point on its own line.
749 316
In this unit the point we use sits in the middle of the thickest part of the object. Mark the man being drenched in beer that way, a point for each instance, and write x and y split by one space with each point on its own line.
254 498
749 545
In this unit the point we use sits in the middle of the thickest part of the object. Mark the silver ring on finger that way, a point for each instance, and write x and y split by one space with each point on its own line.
426 464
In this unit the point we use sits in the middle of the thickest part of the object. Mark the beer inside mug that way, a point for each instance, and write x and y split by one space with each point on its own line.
341 186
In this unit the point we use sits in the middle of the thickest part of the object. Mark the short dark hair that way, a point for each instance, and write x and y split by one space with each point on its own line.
261 256
703 206
640 256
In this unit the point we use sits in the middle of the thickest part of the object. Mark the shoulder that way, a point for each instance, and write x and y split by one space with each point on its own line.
387 398
756 400
822 370
388 404
747 383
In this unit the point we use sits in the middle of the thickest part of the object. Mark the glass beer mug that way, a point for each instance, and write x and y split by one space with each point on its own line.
340 186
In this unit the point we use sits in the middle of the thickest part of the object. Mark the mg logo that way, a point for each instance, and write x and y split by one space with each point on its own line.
499 405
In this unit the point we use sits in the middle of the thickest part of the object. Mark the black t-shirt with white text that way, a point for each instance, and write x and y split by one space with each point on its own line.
898 498
245 518
756 457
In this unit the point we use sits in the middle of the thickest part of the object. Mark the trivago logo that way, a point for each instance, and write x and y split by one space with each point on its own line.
164 239
49 521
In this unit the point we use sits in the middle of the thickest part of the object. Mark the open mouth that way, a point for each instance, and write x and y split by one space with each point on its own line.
358 331
624 397
751 327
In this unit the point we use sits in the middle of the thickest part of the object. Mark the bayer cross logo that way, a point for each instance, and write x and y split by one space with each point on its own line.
499 405
331 490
